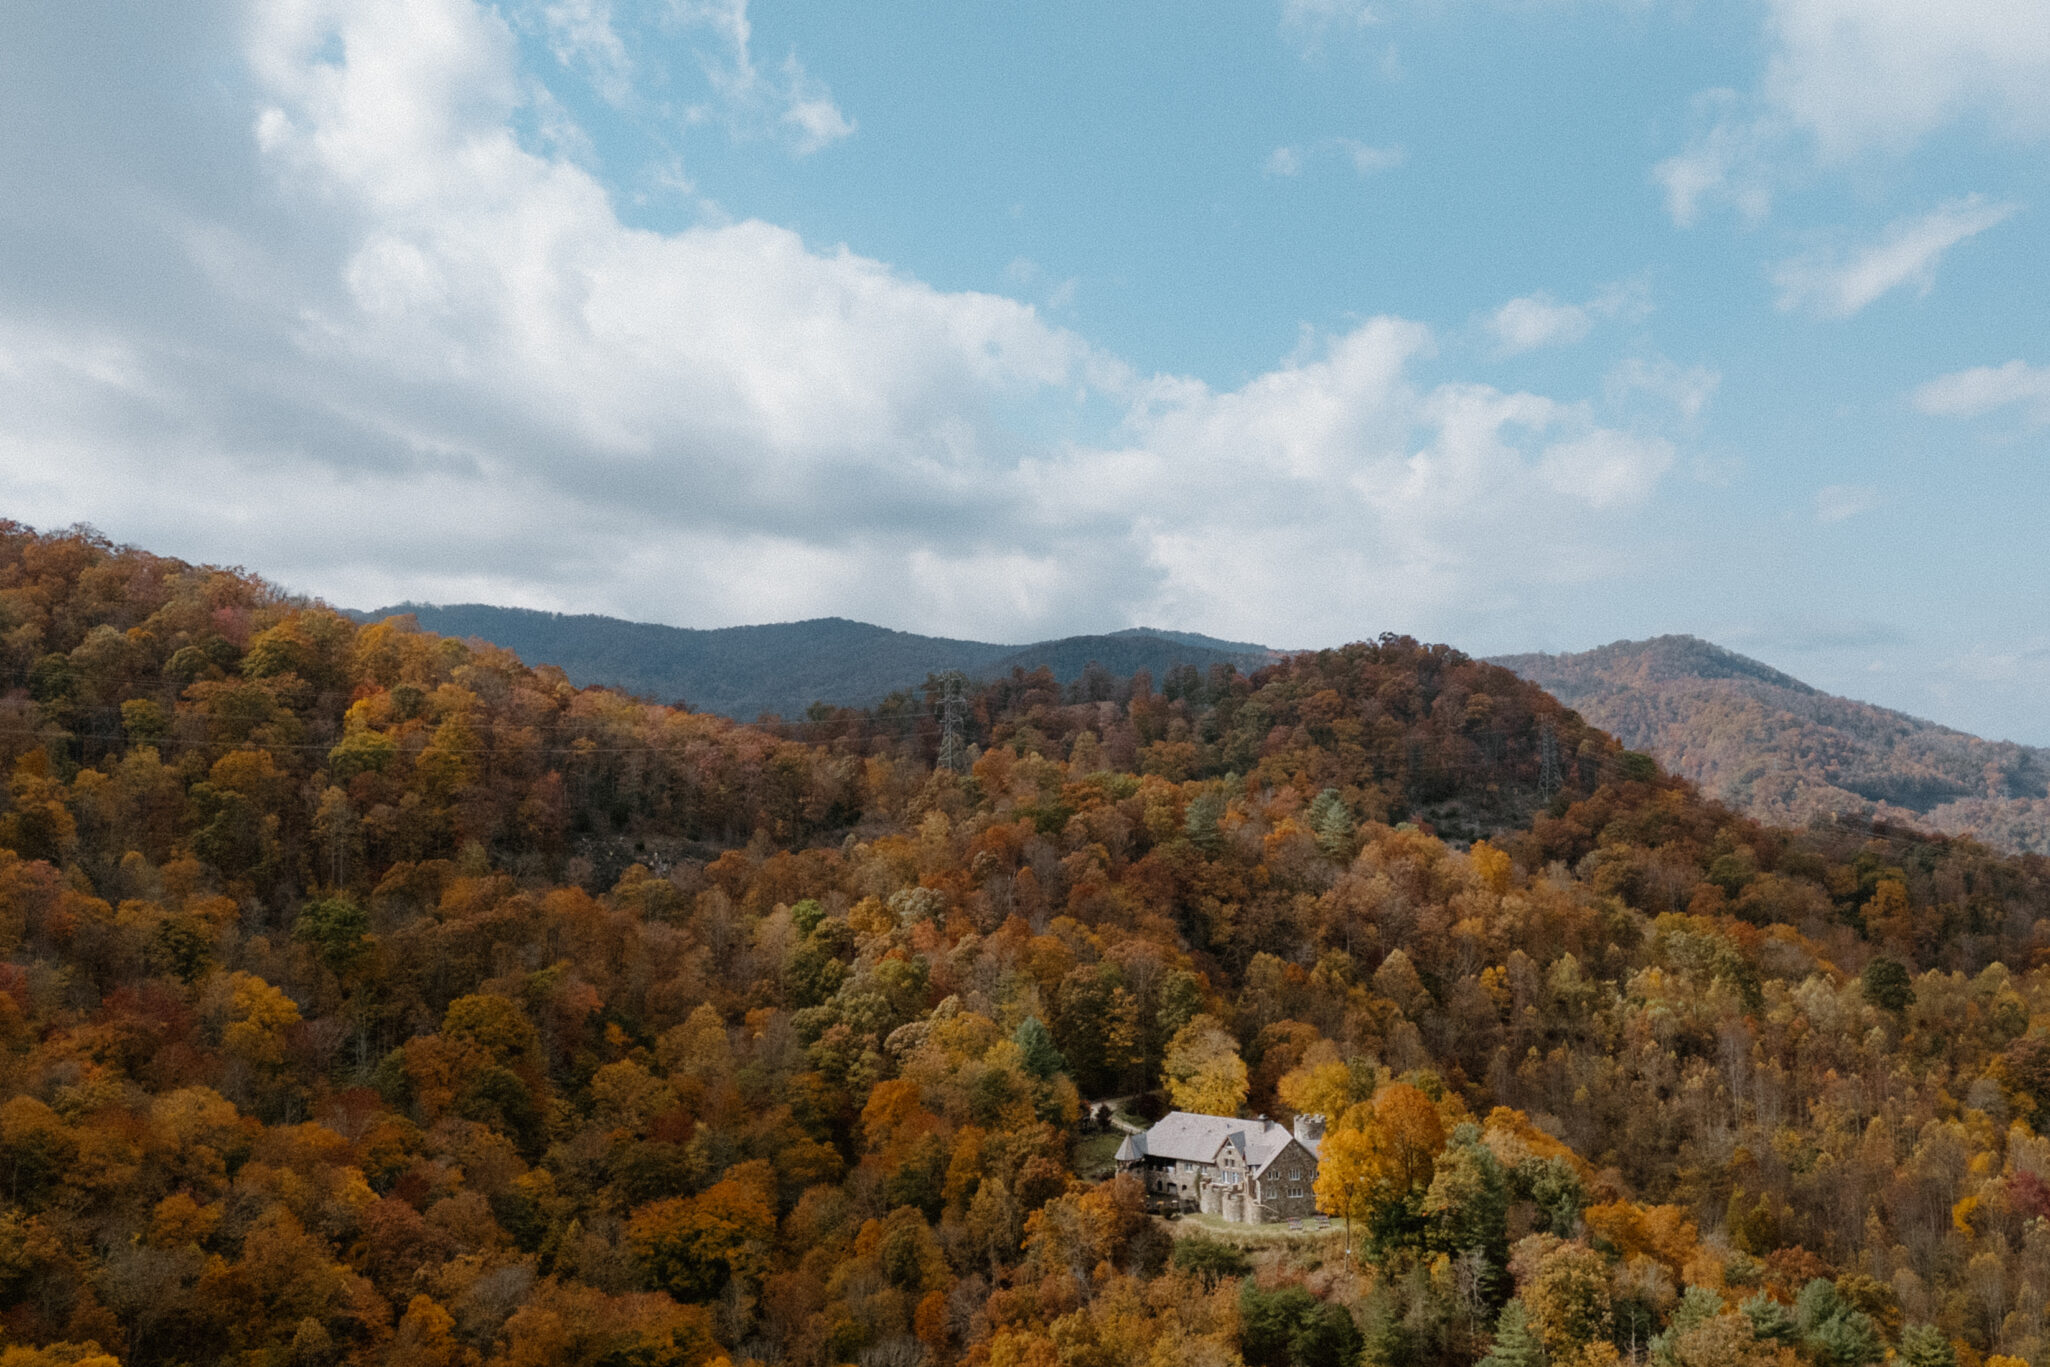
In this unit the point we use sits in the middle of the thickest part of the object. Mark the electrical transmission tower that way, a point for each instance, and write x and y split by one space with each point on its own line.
1550 779
953 722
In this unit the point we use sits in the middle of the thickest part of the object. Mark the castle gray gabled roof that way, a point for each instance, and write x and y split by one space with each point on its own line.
1184 1137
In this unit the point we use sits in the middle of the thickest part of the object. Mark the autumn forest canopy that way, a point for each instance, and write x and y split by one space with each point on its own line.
368 996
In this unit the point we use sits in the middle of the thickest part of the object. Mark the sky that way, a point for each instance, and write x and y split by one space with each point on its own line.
1518 324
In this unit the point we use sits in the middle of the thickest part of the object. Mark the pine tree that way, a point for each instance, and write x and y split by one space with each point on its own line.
1467 1206
1042 1058
1836 1333
1770 1320
1886 984
1698 1305
1332 822
1847 1340
1516 1343
1201 822
1924 1345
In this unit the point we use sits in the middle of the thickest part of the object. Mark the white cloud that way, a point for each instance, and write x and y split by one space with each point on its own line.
1606 469
1341 487
1841 502
809 112
1906 254
581 34
1310 21
1846 79
1860 74
1032 278
751 102
1728 161
1983 389
1364 158
1539 320
380 348
1685 389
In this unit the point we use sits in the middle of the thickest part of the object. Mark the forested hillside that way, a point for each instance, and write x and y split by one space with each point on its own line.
366 997
785 667
1771 746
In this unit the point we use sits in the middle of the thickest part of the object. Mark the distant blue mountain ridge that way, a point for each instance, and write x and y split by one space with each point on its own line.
785 667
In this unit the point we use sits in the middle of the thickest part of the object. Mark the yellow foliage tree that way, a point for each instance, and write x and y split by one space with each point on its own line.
1664 1234
691 1247
1567 1292
426 1338
1490 865
257 1016
1327 1088
566 1324
1378 1158
1203 1070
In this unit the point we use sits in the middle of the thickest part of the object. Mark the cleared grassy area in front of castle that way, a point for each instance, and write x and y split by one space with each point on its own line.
1256 1236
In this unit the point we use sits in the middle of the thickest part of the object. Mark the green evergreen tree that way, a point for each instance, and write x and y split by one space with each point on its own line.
1178 1000
1698 1305
1817 1302
1554 1187
1924 1345
1516 1343
1836 1333
1326 1336
806 915
1200 822
1210 1259
1042 1058
1332 822
1467 1207
1269 1321
1391 1341
1847 1340
337 929
1886 985
1770 1321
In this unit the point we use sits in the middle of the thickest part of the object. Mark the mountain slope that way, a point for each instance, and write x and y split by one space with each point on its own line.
785 667
369 999
1770 745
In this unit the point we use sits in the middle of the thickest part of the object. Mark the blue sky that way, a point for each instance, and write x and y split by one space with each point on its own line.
1514 323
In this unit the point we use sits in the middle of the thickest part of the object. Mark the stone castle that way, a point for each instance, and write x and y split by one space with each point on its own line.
1253 1172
